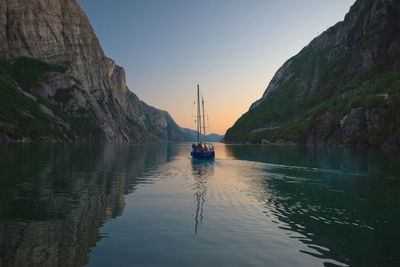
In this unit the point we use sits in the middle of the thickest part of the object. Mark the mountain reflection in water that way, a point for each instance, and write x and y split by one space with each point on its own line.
341 202
105 205
54 198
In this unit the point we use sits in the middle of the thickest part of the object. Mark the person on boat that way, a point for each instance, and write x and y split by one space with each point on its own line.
205 148
199 148
193 147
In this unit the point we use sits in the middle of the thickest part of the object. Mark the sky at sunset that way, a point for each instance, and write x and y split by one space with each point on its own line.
232 48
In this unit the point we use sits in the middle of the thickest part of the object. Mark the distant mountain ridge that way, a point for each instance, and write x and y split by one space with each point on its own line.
192 136
343 88
57 84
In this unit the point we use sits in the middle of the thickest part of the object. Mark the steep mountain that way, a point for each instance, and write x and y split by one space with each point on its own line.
56 84
192 136
214 137
343 88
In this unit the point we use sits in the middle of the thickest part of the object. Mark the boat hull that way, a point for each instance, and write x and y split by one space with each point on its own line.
203 155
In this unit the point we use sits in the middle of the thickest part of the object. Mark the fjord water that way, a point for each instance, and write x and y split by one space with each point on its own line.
151 205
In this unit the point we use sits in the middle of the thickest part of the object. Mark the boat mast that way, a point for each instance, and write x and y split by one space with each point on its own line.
204 122
198 116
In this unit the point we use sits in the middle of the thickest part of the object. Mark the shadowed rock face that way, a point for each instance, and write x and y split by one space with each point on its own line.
326 93
59 32
365 17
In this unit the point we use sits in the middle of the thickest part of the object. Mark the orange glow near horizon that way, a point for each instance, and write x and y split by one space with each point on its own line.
222 112
224 103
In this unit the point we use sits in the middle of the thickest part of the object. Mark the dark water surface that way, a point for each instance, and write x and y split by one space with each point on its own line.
151 205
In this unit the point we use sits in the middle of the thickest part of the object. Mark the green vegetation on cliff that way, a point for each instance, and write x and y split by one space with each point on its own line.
30 72
295 111
20 116
82 96
23 115
346 93
30 111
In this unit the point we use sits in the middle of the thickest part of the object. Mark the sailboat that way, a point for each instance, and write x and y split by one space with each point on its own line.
202 150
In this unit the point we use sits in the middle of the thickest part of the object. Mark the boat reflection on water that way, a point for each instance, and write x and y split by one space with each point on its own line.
202 171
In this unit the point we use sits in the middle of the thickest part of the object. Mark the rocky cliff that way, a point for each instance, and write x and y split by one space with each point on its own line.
343 88
57 84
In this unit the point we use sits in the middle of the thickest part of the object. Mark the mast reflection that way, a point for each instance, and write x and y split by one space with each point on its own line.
202 171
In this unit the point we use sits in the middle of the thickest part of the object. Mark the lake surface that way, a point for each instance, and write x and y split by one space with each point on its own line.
151 205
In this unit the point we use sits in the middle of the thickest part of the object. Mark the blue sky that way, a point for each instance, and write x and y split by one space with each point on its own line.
232 48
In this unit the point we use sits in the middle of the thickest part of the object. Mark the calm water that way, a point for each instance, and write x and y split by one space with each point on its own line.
145 205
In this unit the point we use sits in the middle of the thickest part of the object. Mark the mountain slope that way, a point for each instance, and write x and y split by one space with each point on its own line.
67 89
343 88
192 136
